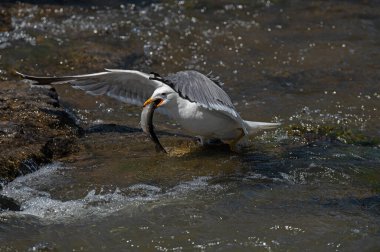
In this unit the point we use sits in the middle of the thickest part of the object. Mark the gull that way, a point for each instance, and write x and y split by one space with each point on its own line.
194 100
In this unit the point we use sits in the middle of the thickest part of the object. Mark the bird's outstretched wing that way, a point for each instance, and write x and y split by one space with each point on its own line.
202 89
128 86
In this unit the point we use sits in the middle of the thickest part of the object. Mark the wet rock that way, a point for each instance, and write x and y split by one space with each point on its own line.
5 20
7 203
33 129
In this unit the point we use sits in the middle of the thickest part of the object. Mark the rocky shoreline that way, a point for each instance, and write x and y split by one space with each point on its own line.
34 129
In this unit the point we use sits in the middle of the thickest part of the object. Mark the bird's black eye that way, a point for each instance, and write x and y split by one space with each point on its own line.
164 94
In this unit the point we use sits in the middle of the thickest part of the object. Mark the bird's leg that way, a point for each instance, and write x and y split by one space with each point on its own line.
209 141
199 140
234 143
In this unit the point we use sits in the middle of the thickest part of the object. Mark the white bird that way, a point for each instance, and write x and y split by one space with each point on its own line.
196 101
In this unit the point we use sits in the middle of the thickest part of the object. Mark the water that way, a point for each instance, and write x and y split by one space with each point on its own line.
313 184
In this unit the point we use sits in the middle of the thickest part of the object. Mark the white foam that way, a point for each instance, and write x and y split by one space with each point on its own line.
22 189
40 204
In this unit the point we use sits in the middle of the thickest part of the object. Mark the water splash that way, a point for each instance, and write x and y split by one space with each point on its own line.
38 203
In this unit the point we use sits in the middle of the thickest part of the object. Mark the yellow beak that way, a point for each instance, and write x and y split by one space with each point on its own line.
150 100
147 102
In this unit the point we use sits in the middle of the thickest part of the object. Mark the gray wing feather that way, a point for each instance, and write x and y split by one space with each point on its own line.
199 88
128 86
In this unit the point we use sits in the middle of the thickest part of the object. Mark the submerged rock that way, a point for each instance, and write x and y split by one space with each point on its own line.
7 203
33 129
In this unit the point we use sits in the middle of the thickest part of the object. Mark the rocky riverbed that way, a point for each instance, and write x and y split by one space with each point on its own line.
34 129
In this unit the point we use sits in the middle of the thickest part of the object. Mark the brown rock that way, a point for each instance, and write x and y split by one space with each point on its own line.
33 129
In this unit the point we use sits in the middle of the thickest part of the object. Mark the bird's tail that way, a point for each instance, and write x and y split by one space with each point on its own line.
254 127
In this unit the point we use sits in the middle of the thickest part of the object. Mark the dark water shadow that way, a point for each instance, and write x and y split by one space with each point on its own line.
371 203
116 128
111 128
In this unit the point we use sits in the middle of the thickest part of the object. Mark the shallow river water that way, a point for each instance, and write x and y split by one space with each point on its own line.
313 184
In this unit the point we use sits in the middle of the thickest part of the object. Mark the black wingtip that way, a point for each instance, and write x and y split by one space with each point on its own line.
36 80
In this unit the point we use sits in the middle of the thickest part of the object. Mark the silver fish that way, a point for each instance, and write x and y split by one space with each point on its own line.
147 124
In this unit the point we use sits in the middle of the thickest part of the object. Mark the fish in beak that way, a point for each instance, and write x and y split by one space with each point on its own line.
147 123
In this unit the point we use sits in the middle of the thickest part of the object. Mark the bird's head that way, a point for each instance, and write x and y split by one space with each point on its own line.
163 94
